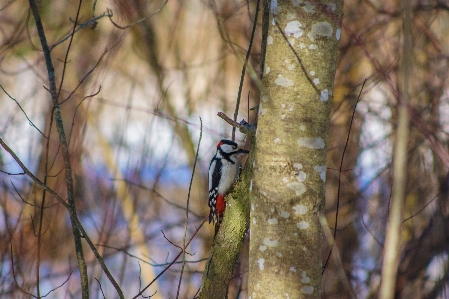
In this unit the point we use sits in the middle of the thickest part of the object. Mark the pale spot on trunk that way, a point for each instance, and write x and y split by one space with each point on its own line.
300 209
313 143
261 261
273 221
304 278
324 96
303 225
285 214
294 28
299 188
307 290
270 243
282 81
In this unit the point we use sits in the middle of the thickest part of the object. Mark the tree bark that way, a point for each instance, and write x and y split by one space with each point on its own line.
288 185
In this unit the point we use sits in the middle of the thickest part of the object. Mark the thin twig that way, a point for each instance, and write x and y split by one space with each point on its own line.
242 77
228 120
174 260
101 289
339 176
63 141
148 263
26 202
29 120
158 194
187 209
81 26
165 237
84 78
73 216
421 209
243 126
110 14
15 279
76 109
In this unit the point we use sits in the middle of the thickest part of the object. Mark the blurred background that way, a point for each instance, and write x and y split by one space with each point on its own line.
131 101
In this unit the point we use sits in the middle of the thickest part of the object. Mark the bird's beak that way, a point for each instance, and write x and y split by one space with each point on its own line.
243 151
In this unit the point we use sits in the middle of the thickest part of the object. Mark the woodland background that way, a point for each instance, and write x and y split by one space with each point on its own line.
131 100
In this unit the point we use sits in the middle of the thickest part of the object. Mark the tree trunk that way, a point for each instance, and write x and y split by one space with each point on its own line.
288 185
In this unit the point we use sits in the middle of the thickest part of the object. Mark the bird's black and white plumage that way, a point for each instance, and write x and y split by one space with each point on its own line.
224 170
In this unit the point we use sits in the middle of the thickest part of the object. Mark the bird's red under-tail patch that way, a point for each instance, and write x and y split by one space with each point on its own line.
220 206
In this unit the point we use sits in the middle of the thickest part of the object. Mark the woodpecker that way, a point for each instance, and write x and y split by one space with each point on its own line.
224 170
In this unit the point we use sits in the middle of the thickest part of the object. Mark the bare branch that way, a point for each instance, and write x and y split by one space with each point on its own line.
187 208
174 260
339 175
242 77
243 126
63 140
29 120
110 15
73 216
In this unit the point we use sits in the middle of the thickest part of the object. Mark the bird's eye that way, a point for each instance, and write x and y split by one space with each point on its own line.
234 147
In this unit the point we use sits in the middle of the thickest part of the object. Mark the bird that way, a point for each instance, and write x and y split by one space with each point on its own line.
224 171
